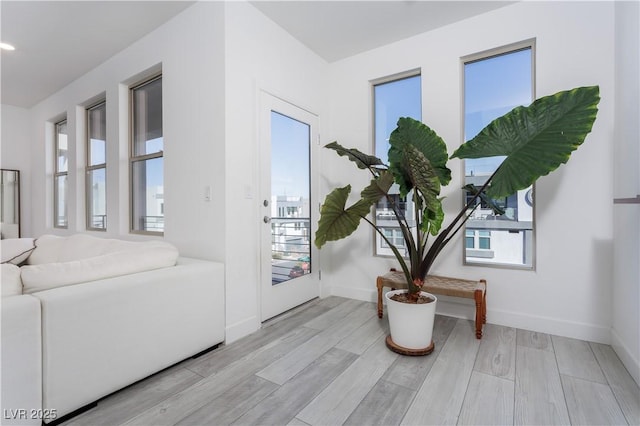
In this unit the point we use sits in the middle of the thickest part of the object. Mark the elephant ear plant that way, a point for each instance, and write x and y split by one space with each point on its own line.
534 140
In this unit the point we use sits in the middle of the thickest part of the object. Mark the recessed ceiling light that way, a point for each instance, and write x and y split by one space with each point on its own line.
6 46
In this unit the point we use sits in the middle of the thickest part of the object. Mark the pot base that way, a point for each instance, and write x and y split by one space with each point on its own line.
406 351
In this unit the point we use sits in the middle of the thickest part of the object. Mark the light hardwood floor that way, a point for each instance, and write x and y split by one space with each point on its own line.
326 363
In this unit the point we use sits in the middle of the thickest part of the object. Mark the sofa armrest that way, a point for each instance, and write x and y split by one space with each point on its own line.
103 335
21 361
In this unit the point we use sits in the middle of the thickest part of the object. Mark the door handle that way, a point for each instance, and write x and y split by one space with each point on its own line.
266 219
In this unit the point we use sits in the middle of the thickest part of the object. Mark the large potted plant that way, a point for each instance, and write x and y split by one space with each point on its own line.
534 140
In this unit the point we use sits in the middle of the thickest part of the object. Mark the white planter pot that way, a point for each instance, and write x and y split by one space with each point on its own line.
411 325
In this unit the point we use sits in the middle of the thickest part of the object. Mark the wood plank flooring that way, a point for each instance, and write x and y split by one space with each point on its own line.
325 363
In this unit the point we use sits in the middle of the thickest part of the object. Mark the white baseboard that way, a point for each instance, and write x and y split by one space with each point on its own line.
465 308
558 327
626 356
366 295
241 329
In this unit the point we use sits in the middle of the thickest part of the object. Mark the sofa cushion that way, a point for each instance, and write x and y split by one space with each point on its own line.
16 250
144 256
10 280
54 248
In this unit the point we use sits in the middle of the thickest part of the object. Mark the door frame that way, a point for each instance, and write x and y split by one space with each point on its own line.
267 102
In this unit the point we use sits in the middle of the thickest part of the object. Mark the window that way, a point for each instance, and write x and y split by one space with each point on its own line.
60 175
469 239
147 174
96 172
478 239
395 236
484 240
395 97
494 83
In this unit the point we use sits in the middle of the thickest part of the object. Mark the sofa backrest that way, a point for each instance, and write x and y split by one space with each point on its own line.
54 248
60 261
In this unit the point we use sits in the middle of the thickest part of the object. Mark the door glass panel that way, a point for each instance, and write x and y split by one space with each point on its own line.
290 194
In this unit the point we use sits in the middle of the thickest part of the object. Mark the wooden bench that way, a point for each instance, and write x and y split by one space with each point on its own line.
468 289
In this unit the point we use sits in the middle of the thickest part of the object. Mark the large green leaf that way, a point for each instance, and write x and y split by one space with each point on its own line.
432 221
378 188
336 222
362 160
536 139
413 133
423 178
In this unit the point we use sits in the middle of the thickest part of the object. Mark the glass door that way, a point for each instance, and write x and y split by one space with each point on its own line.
288 267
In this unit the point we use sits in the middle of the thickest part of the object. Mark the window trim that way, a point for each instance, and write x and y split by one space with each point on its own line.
58 174
476 57
92 167
133 158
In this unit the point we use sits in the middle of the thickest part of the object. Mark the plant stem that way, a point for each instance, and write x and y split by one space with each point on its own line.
442 240
399 257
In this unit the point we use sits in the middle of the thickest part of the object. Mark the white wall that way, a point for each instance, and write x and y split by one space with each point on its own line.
260 56
626 248
569 293
190 49
16 155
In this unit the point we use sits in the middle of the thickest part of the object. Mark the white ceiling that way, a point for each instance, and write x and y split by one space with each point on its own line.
58 41
339 29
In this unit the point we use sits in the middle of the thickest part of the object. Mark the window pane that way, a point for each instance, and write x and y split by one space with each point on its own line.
392 100
492 87
148 195
469 242
97 124
62 148
484 241
469 239
61 201
97 199
147 118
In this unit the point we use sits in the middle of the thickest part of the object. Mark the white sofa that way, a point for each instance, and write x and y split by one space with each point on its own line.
101 330
21 361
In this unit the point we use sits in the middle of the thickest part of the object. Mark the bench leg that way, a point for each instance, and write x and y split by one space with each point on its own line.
480 313
484 308
379 284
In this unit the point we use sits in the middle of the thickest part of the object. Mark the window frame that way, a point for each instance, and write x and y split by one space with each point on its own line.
93 167
133 158
57 174
378 242
529 44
